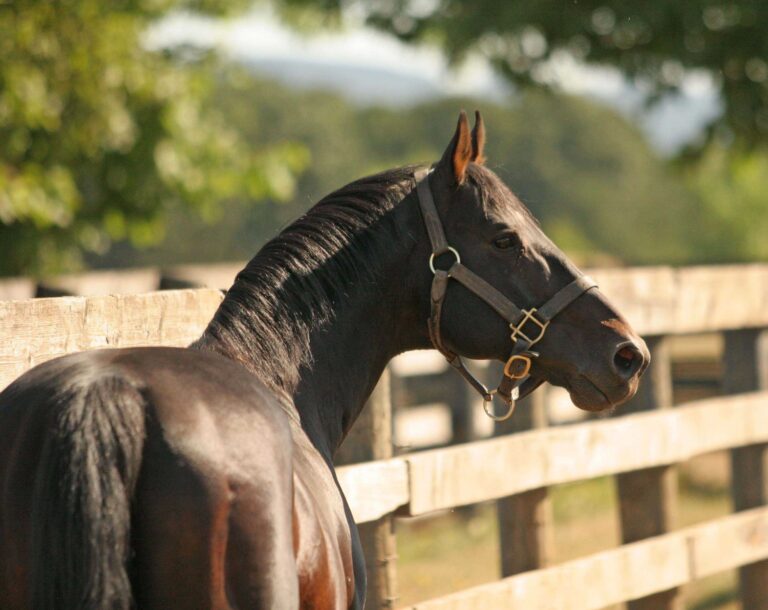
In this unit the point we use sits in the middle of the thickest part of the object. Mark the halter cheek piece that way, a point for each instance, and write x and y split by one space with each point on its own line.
527 326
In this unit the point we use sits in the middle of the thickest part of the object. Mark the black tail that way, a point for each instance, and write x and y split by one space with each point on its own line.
81 503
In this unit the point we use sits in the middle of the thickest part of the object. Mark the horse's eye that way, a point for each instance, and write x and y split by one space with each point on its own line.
506 241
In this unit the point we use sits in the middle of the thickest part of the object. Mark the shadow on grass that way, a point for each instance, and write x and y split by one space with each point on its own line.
716 601
700 489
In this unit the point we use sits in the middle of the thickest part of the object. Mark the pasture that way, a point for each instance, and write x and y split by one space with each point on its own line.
645 531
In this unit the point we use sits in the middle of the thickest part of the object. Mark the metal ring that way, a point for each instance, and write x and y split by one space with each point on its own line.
447 249
491 414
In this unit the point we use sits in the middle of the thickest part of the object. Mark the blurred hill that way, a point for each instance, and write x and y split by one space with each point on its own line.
584 171
367 66
357 84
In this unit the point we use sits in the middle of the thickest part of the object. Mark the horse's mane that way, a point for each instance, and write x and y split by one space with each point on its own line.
293 283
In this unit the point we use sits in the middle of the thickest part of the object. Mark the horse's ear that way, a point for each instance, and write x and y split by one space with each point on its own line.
478 139
459 152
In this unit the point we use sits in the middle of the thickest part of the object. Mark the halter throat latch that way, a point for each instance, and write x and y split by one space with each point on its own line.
527 326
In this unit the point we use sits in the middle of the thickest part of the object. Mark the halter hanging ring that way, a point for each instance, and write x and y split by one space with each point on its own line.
447 249
488 408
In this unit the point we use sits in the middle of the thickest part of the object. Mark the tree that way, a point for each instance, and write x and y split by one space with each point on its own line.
733 221
656 42
100 136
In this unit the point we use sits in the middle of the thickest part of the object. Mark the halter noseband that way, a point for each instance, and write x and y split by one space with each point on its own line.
527 325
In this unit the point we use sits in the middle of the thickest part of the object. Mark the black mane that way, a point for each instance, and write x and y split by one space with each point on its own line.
292 284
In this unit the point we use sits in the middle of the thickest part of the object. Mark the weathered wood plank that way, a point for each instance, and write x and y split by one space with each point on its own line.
526 520
371 439
648 497
487 470
665 300
657 300
730 542
495 468
37 330
378 538
745 369
374 489
628 572
589 583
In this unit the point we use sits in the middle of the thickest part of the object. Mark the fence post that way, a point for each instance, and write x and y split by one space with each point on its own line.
371 439
648 498
460 400
526 539
745 369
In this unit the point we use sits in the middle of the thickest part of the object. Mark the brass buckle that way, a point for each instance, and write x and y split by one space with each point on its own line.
517 329
508 366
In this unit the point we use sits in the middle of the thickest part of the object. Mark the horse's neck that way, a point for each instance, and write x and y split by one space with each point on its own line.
330 372
348 358
376 321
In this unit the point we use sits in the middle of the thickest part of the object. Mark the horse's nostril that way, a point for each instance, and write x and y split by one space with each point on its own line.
628 360
624 357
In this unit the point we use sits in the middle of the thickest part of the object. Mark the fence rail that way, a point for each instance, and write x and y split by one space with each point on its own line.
641 449
36 330
476 472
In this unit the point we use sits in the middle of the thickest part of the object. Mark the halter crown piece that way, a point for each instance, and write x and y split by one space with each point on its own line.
527 326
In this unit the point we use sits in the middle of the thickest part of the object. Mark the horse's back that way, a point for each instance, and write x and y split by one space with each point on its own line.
211 496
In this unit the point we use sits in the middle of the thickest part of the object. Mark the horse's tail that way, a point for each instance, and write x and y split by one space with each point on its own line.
81 500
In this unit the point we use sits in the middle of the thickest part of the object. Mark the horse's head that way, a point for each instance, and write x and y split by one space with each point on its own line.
588 347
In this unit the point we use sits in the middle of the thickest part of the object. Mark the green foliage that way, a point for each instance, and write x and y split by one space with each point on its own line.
733 223
654 41
585 172
99 135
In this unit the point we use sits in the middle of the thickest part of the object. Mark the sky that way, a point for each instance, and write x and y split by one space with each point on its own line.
365 64
260 35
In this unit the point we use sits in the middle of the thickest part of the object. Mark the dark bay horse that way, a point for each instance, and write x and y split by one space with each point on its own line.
202 478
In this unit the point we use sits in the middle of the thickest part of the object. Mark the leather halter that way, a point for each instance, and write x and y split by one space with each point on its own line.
527 326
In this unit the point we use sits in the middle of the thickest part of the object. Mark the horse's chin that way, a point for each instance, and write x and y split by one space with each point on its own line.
585 393
529 385
588 396
592 401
